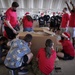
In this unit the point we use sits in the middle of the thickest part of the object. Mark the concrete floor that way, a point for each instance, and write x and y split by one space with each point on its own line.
67 68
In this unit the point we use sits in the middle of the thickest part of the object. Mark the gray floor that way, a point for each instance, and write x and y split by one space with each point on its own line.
68 68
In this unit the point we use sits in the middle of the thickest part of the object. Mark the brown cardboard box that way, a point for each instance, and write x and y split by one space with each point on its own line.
35 24
40 29
38 40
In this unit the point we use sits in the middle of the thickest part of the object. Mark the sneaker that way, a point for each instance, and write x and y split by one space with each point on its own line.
24 71
58 69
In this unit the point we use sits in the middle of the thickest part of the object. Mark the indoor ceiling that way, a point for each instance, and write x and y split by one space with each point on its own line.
34 6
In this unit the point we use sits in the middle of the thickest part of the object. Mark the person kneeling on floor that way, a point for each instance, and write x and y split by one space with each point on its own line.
67 52
46 59
19 54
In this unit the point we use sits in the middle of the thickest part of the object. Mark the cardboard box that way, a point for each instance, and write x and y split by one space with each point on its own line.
48 32
40 29
38 40
35 24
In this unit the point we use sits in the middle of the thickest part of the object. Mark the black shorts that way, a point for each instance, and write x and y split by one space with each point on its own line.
10 33
25 59
67 56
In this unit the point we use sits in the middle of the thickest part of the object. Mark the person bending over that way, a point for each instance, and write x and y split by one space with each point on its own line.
11 23
27 23
19 54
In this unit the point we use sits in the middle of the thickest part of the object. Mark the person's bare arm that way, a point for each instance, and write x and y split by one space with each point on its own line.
68 6
8 44
9 25
72 4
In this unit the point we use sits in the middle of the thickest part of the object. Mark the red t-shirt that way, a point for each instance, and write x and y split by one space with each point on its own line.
72 20
65 19
68 47
46 65
26 23
11 16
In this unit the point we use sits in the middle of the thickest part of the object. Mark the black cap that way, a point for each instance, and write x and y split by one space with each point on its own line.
15 4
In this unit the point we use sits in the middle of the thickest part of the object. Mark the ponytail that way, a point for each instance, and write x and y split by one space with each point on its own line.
48 47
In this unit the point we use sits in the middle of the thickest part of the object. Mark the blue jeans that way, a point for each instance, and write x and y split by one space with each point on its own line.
28 29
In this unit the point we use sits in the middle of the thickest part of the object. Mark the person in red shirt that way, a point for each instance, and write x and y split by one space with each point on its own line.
71 28
68 50
65 20
11 23
46 58
27 22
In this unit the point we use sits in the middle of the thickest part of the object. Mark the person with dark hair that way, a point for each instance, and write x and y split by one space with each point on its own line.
3 48
28 38
71 25
65 20
41 20
47 19
67 52
19 54
46 58
11 23
58 18
15 4
27 23
53 22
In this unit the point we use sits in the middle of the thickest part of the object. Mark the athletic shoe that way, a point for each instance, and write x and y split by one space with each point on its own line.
24 71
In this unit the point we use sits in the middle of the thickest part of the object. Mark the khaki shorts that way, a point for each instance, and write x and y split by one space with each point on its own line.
63 30
71 31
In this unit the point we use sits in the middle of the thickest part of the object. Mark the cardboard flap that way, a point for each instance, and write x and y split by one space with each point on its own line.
48 32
